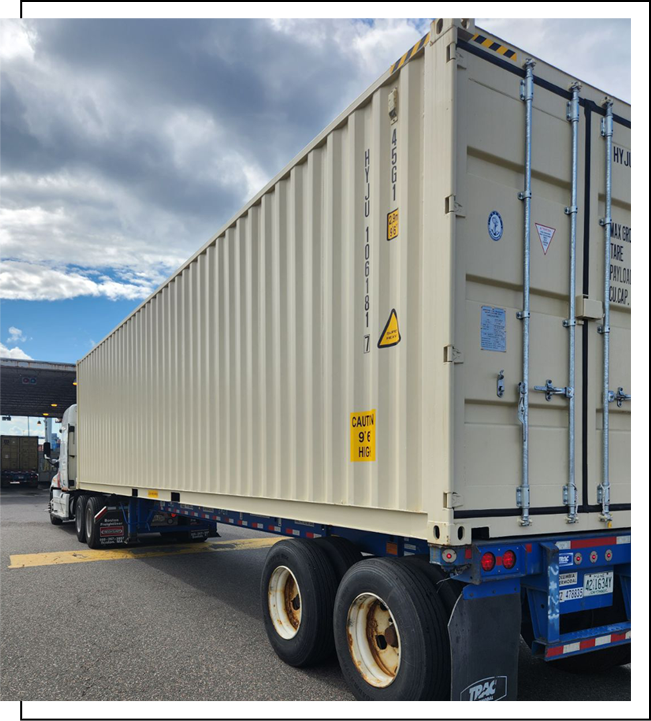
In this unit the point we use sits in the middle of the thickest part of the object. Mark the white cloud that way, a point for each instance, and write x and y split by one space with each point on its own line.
16 335
124 152
15 40
597 52
31 281
14 353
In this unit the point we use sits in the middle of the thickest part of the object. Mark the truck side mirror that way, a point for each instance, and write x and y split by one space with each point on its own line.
47 449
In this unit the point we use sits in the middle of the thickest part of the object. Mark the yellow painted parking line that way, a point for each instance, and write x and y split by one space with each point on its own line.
29 560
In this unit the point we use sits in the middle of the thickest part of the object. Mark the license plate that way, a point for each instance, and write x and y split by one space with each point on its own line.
598 584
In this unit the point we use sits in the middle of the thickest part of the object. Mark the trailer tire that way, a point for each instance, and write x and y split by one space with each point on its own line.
342 553
447 589
80 519
298 591
93 507
410 659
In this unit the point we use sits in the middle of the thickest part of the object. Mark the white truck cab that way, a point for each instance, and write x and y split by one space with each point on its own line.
61 500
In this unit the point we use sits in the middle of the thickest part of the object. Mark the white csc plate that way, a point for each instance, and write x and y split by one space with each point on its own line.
598 584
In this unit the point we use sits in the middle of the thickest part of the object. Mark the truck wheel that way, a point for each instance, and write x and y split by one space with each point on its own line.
447 589
341 552
93 506
390 630
80 519
298 592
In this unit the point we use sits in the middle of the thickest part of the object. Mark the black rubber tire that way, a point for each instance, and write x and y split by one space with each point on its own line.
595 661
640 656
447 589
317 583
421 620
93 507
80 518
342 553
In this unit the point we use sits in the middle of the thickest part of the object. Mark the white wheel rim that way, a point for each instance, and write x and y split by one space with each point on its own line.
285 606
373 640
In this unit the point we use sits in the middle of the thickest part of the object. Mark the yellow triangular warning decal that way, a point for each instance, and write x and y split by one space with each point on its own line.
391 334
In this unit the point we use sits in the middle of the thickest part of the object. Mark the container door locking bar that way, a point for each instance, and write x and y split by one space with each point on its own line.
523 496
570 496
603 490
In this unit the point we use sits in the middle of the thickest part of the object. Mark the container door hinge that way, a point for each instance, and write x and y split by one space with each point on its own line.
452 355
452 500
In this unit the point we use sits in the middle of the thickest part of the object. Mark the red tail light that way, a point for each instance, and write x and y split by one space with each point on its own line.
508 560
488 561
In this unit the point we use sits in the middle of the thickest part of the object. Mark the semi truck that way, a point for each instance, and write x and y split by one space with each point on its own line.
19 460
409 354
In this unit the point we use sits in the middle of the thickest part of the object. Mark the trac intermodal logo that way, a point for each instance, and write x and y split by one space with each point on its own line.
492 688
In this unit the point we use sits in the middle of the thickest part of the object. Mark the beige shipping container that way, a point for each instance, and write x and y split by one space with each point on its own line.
335 353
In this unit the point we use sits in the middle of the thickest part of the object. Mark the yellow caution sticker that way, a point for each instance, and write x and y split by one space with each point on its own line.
391 334
392 224
152 494
362 436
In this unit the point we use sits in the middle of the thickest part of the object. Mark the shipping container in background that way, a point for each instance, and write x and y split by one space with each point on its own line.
419 331
19 460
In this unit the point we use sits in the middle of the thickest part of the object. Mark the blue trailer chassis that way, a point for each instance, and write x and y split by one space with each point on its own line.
558 579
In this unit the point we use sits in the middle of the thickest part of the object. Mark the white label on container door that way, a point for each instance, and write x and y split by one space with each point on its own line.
546 234
493 329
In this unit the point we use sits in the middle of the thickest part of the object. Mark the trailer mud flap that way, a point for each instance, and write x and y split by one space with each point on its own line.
484 640
111 526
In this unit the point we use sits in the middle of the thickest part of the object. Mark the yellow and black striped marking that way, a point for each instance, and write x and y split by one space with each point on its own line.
494 46
410 54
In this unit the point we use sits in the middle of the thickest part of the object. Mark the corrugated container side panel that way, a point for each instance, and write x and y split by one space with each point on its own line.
240 375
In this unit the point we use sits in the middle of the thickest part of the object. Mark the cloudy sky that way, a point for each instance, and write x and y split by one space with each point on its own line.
125 144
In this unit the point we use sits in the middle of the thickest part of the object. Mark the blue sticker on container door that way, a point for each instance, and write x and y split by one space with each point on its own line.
493 329
495 225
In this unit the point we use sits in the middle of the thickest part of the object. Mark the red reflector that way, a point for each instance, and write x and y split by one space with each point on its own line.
488 561
508 559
